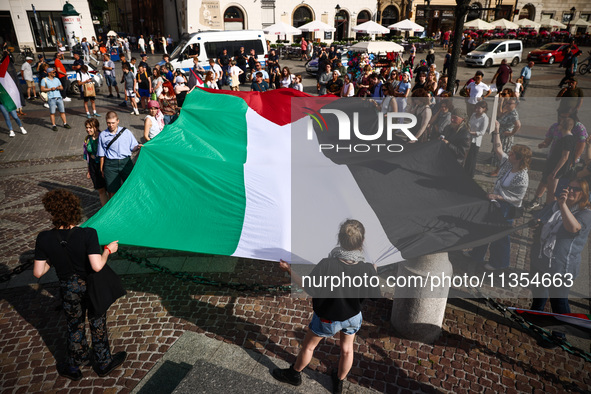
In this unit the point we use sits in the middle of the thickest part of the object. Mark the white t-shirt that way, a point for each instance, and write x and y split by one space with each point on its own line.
141 42
235 71
517 89
285 82
83 76
299 86
476 91
27 71
217 69
349 90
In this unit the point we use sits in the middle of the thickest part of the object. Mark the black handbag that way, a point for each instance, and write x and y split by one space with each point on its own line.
103 288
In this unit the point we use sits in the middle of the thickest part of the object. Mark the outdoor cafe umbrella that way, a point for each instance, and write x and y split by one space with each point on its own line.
478 24
528 23
371 27
111 34
316 26
406 25
377 47
581 23
552 23
504 24
281 28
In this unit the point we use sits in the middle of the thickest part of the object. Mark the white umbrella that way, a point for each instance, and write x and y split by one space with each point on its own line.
528 23
316 26
371 27
377 47
111 34
406 25
504 24
581 22
282 29
478 24
552 23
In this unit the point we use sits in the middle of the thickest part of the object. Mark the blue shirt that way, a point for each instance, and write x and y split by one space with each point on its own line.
120 149
526 72
52 83
265 74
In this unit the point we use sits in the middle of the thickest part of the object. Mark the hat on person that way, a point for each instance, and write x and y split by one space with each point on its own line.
39 56
143 54
459 112
28 58
153 104
406 73
179 79
50 69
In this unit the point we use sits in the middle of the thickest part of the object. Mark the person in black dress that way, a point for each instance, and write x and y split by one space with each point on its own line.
75 252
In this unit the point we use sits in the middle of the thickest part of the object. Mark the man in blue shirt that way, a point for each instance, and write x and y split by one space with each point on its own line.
52 86
259 85
114 149
526 75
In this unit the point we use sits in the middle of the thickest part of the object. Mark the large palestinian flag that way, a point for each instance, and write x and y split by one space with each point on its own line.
9 94
242 174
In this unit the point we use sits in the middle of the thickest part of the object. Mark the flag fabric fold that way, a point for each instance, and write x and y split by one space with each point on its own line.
9 93
235 175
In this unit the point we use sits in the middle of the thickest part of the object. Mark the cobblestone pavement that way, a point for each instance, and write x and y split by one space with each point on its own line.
478 351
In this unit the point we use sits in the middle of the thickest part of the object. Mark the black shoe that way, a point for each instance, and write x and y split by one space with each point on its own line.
66 371
110 96
116 361
118 96
123 104
288 375
67 126
337 384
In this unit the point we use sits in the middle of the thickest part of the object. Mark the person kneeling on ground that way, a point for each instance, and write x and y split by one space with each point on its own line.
336 310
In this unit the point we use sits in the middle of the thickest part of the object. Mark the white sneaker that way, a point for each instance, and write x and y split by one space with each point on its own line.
46 105
23 130
67 99
11 134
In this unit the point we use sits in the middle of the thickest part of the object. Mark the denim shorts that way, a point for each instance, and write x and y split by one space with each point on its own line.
56 102
327 328
111 80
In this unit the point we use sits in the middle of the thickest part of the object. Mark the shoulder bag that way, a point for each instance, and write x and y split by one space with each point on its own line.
103 287
88 90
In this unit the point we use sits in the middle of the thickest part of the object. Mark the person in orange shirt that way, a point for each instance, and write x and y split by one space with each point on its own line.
61 74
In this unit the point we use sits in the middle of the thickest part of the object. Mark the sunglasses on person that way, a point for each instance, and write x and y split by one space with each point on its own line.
573 188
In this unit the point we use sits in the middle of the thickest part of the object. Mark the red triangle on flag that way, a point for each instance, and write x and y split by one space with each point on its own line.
4 66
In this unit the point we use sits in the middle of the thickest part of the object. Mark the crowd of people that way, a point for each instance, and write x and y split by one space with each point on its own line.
158 91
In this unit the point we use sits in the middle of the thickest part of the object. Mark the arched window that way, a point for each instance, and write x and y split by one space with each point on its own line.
302 15
234 19
528 12
474 12
341 23
363 17
390 16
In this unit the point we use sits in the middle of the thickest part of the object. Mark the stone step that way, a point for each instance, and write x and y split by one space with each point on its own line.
199 364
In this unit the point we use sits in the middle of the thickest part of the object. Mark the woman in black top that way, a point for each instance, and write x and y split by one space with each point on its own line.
75 252
337 309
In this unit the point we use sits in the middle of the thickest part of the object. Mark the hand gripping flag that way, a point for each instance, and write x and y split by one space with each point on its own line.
241 174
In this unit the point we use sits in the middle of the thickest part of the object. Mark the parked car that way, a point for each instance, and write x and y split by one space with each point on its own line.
550 53
494 51
74 88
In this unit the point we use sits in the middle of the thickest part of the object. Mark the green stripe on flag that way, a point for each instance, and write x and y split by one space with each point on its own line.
6 100
184 179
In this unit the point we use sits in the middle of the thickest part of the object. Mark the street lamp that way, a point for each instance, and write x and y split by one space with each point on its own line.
427 10
572 16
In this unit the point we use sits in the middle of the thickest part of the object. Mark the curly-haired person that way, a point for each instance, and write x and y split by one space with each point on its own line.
75 252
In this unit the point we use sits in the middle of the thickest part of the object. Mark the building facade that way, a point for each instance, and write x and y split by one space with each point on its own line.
43 29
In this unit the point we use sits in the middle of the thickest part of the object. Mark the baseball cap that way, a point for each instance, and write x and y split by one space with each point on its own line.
39 56
50 69
143 54
153 104
459 112
28 58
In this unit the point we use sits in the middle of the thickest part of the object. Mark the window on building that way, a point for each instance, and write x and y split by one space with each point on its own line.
363 17
213 49
390 16
301 16
234 19
50 31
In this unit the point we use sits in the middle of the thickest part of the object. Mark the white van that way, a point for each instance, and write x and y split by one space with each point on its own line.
209 44
492 52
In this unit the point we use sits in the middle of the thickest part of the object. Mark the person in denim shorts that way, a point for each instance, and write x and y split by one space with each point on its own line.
52 86
337 310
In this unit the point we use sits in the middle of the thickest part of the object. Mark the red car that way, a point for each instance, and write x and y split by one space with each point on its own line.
550 53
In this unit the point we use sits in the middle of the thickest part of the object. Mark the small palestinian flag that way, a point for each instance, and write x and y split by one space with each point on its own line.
9 93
